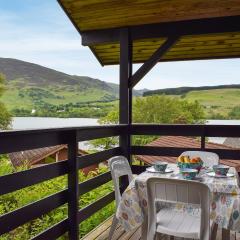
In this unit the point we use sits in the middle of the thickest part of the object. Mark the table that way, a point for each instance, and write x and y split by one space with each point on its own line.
225 200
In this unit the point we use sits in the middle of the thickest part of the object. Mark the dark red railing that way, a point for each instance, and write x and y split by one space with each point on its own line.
12 141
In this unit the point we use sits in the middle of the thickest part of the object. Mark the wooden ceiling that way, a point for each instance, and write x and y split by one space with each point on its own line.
187 48
103 14
90 15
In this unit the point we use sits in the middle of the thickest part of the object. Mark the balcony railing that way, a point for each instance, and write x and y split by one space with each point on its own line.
12 141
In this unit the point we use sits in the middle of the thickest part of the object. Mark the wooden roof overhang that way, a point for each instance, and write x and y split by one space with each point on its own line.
206 29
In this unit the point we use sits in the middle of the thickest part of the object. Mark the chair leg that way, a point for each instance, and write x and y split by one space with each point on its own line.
225 234
214 231
113 227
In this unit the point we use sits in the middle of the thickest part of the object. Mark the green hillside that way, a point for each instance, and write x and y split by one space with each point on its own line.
32 97
219 102
184 90
34 89
216 101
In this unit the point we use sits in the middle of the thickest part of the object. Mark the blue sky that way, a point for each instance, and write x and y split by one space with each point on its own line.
38 31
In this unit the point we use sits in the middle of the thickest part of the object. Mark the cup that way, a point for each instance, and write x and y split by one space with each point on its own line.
160 166
220 169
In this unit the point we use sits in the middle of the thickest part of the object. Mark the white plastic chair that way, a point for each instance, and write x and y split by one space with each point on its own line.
119 167
174 222
209 158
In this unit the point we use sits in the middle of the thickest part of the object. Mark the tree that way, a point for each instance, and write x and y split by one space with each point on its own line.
2 86
161 109
234 113
5 116
156 109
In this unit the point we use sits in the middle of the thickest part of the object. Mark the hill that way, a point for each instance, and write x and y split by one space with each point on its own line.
31 86
184 90
218 101
30 74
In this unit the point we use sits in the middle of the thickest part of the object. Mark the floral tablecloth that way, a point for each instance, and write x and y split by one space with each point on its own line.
225 200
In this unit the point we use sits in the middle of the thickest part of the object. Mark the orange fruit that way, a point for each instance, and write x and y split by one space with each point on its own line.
194 160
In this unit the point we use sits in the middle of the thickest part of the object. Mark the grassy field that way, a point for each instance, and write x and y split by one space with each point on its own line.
27 98
217 101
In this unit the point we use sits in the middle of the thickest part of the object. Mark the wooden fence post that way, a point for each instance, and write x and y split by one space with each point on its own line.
73 187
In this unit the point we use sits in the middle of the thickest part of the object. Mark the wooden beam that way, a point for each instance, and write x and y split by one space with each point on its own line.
125 53
163 30
186 130
124 90
152 61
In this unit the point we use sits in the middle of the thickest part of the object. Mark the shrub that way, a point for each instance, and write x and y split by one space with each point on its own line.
12 201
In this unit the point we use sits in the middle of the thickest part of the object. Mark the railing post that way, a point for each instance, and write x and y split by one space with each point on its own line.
203 139
73 187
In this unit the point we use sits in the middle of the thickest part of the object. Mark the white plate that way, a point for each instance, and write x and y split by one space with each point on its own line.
152 170
212 174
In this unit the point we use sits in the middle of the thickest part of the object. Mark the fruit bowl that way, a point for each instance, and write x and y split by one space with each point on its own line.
184 162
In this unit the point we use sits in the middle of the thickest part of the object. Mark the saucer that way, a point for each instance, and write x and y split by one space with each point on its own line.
152 170
212 174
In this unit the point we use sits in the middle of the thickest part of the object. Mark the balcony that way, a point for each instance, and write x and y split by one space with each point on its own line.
158 32
12 141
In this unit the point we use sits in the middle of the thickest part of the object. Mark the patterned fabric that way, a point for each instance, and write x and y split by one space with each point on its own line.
225 205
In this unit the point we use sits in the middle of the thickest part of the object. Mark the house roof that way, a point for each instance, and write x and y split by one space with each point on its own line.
232 142
194 20
184 142
34 156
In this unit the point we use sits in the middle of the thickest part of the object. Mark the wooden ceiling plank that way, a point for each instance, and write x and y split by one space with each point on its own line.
177 49
174 49
157 11
180 44
193 58
140 59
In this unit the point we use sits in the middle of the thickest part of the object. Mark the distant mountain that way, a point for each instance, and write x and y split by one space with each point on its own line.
31 86
31 74
40 76
115 88
185 90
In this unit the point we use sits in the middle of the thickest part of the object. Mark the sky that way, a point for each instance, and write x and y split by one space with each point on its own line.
38 31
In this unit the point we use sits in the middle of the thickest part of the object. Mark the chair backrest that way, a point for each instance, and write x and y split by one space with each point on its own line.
178 191
209 158
119 167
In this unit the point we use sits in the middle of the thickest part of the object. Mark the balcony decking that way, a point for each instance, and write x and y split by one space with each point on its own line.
102 231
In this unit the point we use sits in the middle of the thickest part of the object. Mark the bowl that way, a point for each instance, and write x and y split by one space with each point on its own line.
196 166
220 169
160 166
189 173
187 162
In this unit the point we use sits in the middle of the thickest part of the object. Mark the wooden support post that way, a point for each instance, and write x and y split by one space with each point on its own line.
73 187
152 61
125 103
